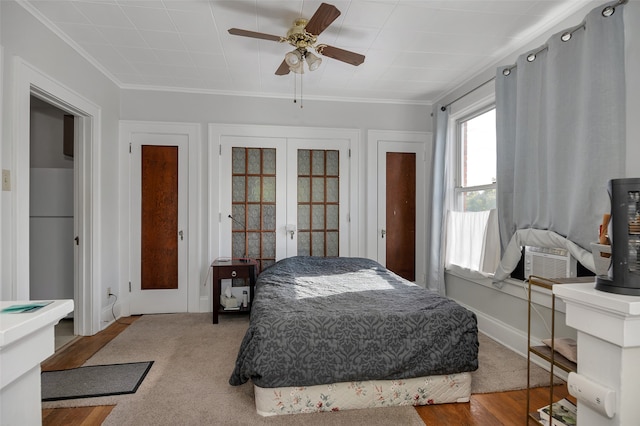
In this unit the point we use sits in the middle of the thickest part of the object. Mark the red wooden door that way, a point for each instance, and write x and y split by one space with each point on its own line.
401 214
159 217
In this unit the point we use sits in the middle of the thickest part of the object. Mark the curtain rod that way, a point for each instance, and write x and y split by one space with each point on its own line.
468 92
606 12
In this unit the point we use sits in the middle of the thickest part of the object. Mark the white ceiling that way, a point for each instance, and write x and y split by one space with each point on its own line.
416 50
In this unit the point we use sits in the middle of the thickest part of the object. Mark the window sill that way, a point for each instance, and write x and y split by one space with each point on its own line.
516 288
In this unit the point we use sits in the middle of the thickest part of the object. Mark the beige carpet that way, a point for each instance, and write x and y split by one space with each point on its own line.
188 383
502 369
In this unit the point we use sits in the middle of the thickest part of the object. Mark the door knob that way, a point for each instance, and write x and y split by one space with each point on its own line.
383 233
181 235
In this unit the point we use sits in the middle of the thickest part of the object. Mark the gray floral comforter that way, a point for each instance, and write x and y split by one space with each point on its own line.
326 320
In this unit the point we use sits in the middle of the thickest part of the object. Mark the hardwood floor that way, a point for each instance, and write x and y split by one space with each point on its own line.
491 409
503 408
72 356
85 416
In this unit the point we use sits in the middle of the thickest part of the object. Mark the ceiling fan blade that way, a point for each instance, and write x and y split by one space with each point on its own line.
341 54
283 69
253 34
323 17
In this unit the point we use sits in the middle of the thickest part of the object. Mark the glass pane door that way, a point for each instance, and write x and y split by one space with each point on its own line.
317 197
318 203
253 204
277 194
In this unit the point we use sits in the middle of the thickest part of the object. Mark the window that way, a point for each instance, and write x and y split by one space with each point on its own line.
472 241
475 188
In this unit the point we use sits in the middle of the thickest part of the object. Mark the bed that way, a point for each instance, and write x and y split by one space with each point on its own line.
330 334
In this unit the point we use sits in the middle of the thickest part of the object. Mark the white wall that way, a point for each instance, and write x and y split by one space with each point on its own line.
203 108
503 312
46 131
23 36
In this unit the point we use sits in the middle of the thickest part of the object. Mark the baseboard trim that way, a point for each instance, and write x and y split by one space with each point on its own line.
107 315
509 337
204 304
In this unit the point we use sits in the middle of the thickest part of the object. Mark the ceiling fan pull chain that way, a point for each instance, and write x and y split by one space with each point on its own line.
295 87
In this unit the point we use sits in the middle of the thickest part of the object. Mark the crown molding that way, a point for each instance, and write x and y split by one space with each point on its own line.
269 95
64 37
125 86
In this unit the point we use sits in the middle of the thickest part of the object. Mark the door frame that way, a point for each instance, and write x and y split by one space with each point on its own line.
29 80
379 143
197 265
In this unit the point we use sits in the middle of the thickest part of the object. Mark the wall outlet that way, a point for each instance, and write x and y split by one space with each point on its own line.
109 292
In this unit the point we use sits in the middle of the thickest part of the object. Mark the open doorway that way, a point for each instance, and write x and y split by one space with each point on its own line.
51 209
87 134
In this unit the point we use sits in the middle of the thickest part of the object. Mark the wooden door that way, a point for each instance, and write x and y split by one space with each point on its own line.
401 214
159 217
400 143
159 237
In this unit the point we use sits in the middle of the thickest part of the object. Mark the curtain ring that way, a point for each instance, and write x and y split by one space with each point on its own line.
566 36
506 71
531 57
608 11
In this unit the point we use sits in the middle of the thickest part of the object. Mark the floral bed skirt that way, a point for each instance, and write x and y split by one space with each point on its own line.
365 394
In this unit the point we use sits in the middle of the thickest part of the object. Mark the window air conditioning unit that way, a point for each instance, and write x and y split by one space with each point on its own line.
549 263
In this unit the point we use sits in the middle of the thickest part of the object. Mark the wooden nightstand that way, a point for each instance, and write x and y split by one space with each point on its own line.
229 270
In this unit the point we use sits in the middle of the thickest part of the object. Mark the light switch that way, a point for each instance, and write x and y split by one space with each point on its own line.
6 180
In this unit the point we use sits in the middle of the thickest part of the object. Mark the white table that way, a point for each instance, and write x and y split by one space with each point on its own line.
26 339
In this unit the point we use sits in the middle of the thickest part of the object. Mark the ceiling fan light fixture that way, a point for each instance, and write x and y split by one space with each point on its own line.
313 61
298 69
293 58
303 36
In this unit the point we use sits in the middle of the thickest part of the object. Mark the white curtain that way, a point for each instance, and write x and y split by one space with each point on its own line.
472 241
439 170
561 131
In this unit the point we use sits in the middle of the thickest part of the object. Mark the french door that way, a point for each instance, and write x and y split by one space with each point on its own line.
285 196
317 203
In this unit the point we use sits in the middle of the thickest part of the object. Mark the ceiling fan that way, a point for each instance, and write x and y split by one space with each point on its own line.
303 35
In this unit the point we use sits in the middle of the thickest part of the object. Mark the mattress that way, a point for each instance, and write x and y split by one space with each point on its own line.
363 394
316 321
